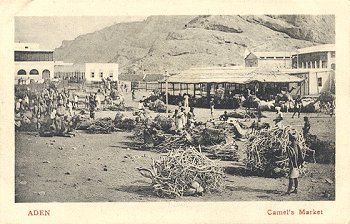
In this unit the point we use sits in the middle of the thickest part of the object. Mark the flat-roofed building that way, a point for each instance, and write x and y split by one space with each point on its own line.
91 72
320 56
316 65
269 60
32 62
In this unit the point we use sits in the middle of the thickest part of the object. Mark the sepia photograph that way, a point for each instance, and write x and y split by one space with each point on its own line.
174 108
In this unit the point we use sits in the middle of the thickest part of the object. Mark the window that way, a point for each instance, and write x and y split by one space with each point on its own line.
46 74
333 54
21 72
111 74
333 66
324 64
319 82
33 72
101 74
92 74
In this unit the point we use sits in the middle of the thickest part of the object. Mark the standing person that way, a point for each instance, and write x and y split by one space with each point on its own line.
125 88
306 127
176 120
186 104
70 107
212 107
133 97
141 105
180 124
98 101
297 106
183 117
86 102
18 105
279 118
295 161
190 118
179 100
76 101
26 100
92 105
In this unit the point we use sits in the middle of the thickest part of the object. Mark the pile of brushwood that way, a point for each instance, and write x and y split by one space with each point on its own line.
158 135
163 123
184 172
115 107
124 123
157 106
107 125
101 126
324 150
267 151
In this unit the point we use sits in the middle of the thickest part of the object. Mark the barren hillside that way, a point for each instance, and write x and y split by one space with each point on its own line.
175 43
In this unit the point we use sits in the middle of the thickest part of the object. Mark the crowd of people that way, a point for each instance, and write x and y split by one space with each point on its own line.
47 106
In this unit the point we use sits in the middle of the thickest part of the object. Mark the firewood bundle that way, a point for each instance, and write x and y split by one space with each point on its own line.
267 151
101 126
184 171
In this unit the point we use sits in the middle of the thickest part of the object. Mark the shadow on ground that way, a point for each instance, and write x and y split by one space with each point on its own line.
142 191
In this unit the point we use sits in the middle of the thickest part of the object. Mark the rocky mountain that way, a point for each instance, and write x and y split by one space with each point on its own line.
175 43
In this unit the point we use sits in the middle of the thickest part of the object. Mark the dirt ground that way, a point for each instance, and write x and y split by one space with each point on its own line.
102 168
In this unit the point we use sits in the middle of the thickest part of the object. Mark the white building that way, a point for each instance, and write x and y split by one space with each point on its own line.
316 65
320 56
91 72
269 60
33 63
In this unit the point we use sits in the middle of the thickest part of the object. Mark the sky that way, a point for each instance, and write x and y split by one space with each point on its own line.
49 32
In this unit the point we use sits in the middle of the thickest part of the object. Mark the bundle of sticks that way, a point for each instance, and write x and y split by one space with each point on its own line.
184 171
101 126
267 151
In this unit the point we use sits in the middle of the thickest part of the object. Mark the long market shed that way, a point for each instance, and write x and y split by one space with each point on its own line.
204 81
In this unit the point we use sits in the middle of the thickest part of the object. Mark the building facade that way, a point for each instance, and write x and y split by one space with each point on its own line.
316 65
321 56
269 60
315 82
33 63
91 72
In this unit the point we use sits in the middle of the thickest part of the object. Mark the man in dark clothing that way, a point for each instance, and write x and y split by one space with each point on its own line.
92 105
297 106
306 127
295 160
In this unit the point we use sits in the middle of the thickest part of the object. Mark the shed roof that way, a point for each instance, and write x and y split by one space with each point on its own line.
233 75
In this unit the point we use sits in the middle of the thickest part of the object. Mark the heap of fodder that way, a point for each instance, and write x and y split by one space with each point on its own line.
163 123
324 150
225 151
212 136
158 106
115 107
245 114
267 151
124 123
184 171
101 126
